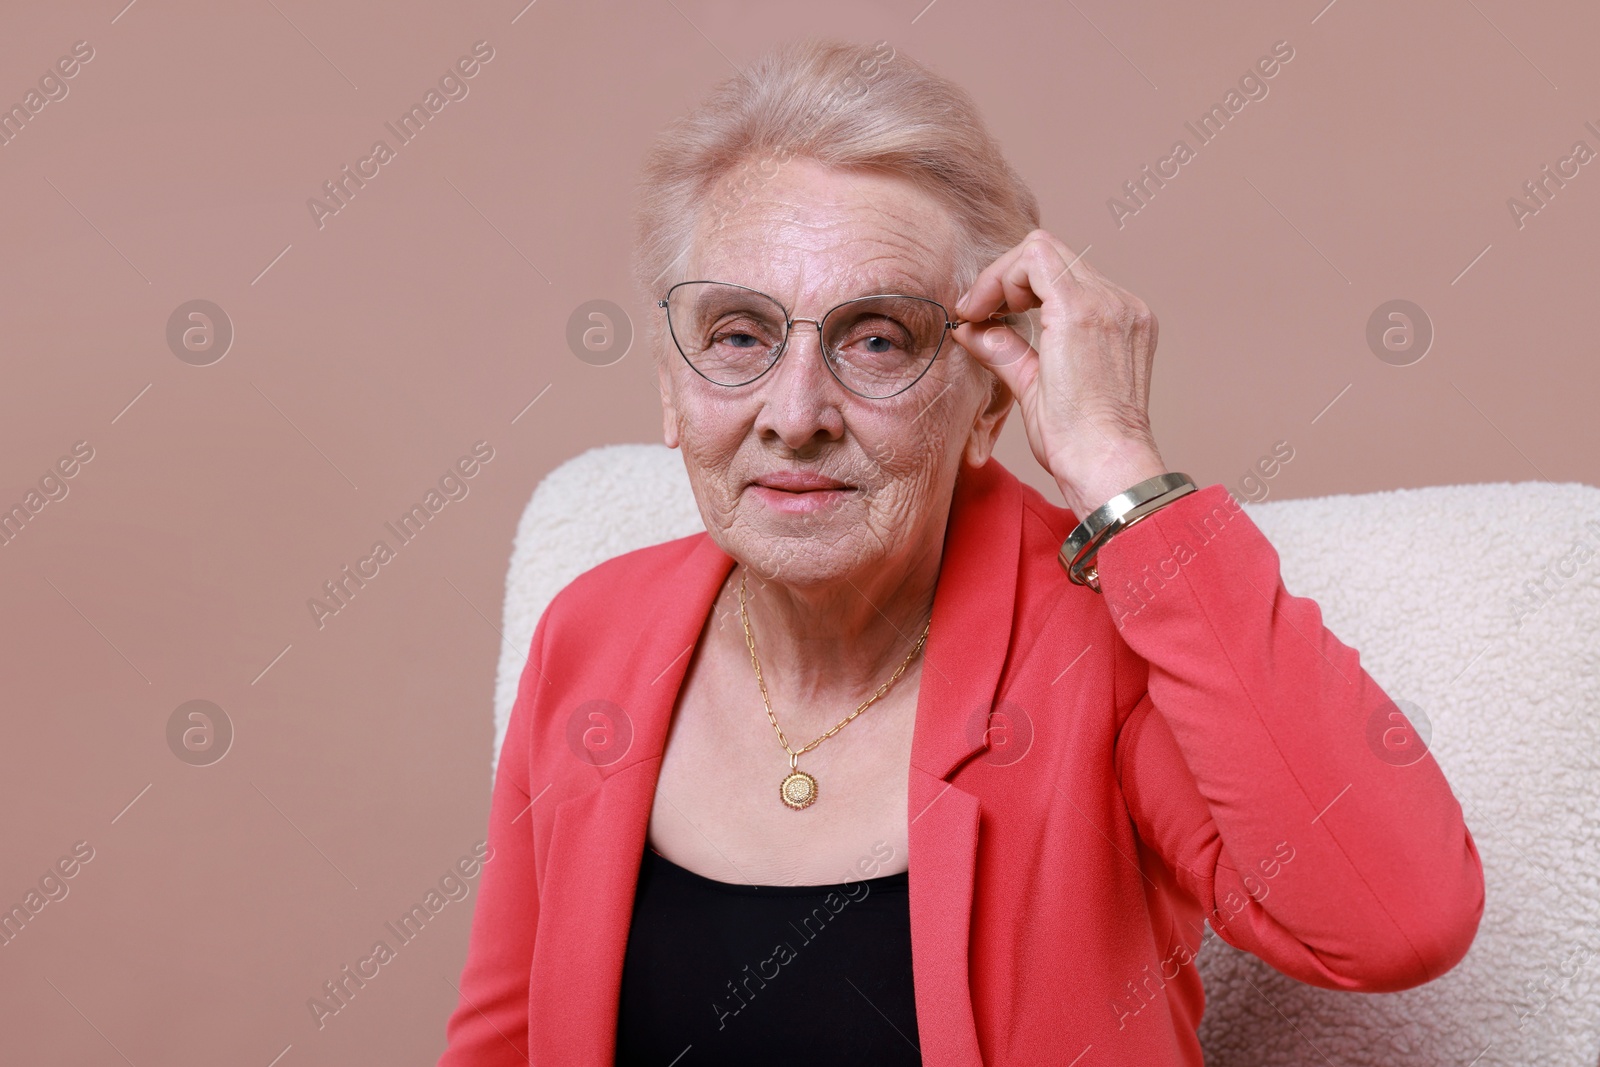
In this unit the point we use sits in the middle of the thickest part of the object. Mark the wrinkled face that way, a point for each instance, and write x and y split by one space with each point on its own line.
796 476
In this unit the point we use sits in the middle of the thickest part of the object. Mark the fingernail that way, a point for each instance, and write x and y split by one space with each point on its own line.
961 302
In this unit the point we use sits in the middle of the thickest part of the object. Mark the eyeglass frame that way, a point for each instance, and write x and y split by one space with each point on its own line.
788 332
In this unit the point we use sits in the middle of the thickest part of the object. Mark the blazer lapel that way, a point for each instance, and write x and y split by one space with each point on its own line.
964 656
598 837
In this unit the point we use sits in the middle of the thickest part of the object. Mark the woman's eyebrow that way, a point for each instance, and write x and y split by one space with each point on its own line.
901 284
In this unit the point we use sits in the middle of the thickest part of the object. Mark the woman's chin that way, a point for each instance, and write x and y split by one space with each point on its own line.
806 559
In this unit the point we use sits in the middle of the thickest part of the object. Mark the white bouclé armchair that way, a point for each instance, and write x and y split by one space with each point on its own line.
1476 605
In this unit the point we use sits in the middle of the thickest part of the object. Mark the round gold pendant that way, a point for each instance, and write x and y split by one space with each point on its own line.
798 790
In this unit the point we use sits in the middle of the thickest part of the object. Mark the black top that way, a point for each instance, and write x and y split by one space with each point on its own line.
722 973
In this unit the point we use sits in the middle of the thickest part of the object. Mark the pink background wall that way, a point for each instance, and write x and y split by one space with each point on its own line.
372 352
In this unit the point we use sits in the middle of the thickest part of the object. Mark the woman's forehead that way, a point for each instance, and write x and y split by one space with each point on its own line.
813 229
868 262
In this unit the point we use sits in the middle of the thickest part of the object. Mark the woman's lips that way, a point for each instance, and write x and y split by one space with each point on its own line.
798 481
798 493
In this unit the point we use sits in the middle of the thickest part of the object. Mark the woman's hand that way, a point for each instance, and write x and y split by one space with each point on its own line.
1084 392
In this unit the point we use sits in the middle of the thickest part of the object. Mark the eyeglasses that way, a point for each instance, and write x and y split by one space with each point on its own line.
875 346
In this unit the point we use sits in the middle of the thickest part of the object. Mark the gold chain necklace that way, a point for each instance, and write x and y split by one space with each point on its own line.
799 789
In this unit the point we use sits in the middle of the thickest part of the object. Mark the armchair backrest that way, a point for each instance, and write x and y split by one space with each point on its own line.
1476 605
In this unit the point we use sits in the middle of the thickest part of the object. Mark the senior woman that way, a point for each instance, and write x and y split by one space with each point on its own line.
898 761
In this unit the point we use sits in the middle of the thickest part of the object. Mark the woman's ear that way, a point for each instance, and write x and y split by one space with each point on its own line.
669 409
991 418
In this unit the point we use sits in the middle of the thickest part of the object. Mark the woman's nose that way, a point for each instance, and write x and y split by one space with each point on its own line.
803 364
802 396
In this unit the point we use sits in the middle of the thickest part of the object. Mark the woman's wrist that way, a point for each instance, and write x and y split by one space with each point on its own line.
1089 482
1080 549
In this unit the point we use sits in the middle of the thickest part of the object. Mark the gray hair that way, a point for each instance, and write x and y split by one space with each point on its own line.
839 104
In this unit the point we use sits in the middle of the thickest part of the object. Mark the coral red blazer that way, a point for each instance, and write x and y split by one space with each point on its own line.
1094 779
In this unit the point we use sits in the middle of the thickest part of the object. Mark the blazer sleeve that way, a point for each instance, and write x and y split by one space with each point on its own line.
489 1027
1270 771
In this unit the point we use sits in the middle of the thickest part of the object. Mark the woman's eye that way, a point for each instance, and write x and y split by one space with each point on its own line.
876 343
741 338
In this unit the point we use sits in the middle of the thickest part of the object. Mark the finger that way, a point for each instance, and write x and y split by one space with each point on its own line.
1003 351
1069 260
1058 270
1020 278
1023 282
1073 268
987 295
